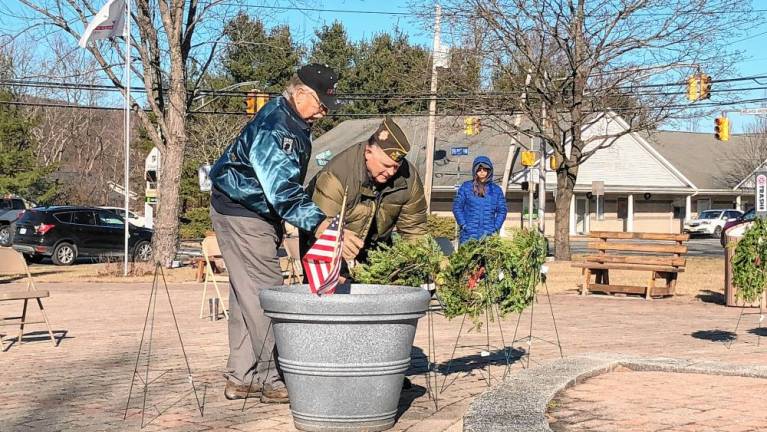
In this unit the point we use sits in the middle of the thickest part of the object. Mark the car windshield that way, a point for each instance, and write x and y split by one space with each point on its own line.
710 214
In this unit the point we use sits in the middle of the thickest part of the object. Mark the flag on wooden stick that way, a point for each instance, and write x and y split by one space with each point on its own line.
322 263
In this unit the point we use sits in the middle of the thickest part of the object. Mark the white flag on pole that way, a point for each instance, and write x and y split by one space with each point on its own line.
107 23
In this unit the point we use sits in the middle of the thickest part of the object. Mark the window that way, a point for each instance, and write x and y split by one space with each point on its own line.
65 217
5 204
84 218
731 214
107 218
18 204
622 208
710 214
703 205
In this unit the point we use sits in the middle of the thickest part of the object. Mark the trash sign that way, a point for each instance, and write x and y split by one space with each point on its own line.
760 189
459 151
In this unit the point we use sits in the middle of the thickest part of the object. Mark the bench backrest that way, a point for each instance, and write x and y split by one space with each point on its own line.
12 262
656 249
210 247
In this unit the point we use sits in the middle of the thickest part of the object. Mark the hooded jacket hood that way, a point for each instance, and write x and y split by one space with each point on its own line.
483 160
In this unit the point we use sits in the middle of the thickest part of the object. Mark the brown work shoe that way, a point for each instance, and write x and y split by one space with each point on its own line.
271 394
234 391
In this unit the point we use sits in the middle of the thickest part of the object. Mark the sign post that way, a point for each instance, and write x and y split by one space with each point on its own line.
598 190
760 193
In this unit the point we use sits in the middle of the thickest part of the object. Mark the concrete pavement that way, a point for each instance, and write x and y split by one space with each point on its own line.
82 385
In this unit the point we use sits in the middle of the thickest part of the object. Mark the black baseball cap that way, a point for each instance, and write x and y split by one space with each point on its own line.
322 79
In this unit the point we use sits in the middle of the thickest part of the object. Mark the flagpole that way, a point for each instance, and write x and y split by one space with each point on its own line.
341 221
127 130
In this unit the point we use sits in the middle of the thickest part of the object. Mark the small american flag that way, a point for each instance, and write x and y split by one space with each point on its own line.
322 263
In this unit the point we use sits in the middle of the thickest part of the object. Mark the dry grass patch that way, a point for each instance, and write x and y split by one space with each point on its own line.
702 276
107 272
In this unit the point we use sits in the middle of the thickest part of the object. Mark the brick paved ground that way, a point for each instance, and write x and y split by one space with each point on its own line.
658 401
82 385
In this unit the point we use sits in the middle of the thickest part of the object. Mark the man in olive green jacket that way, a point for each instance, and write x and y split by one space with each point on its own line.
384 190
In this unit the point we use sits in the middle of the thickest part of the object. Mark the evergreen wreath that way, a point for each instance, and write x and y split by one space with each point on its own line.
491 271
749 263
408 263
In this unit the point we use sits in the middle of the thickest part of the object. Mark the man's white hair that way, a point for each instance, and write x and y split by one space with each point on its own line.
294 85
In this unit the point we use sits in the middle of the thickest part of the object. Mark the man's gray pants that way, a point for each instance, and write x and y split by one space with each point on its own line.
249 247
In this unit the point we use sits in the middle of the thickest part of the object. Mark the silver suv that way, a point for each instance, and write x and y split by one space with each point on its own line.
10 209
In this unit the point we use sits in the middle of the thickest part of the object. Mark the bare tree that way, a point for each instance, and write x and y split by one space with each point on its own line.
744 159
168 51
588 58
210 134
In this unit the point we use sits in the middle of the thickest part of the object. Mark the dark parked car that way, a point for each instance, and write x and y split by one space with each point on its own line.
746 217
67 232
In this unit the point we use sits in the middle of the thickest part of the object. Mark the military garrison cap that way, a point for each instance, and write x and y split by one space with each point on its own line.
391 139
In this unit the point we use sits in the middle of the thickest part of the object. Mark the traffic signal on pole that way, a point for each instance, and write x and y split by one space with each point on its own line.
705 86
250 103
528 158
553 163
722 128
254 101
471 125
693 88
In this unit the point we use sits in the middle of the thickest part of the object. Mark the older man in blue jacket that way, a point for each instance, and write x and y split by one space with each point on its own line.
258 184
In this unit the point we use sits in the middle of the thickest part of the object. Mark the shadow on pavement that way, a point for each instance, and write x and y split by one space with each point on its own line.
407 397
40 336
708 296
759 331
714 335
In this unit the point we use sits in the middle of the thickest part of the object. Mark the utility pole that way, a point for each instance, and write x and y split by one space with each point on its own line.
513 146
430 134
542 174
531 184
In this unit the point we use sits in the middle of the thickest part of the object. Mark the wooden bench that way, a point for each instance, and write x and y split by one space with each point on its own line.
661 255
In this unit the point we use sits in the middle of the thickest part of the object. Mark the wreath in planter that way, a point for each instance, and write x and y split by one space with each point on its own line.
749 263
491 271
408 263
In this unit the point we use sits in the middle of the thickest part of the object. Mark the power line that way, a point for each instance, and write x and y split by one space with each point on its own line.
302 9
378 114
213 92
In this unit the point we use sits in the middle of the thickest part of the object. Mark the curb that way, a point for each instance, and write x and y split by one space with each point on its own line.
520 402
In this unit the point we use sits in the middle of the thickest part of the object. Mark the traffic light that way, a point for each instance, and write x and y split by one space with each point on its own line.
553 163
705 86
528 158
722 128
525 185
693 88
255 101
471 125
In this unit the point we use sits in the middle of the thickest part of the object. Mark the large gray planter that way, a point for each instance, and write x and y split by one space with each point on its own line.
344 356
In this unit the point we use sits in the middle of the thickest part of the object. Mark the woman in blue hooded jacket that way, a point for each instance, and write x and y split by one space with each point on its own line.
480 204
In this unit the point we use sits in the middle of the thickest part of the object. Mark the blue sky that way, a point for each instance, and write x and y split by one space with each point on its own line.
365 25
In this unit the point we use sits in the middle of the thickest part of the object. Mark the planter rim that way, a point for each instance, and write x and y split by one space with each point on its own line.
387 302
